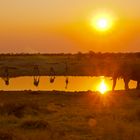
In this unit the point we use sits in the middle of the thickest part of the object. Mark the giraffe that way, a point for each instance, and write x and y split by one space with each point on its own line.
36 75
52 73
6 76
66 72
66 81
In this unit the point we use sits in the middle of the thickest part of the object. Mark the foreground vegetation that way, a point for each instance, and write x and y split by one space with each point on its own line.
69 116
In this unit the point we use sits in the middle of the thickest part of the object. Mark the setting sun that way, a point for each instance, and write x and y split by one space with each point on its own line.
102 88
102 22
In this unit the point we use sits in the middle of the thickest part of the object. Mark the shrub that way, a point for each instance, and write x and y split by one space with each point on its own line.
6 136
18 109
35 124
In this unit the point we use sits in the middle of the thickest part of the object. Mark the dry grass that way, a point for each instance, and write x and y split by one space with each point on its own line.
18 109
35 124
6 136
70 116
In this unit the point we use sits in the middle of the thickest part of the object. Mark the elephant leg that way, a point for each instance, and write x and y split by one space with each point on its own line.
114 83
126 82
138 85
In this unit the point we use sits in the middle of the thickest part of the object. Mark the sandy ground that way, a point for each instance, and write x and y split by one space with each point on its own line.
69 116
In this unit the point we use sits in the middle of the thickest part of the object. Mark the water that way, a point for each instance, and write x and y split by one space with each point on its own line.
79 83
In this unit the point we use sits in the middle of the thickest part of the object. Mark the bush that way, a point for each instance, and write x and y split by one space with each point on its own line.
6 136
18 109
35 124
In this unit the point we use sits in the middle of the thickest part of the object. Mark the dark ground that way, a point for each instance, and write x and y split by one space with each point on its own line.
69 116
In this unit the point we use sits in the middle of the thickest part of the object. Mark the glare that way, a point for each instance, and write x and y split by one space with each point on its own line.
102 88
102 21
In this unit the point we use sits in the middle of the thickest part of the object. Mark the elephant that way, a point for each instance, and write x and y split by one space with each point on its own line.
127 72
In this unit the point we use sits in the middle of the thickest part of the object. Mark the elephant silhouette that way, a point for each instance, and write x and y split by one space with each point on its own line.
127 72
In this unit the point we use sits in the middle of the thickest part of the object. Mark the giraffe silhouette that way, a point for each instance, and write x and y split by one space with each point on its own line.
6 76
36 75
66 81
66 73
52 73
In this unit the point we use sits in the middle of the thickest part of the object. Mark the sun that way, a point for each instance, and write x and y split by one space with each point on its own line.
102 22
102 88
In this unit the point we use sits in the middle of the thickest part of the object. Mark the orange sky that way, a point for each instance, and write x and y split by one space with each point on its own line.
64 26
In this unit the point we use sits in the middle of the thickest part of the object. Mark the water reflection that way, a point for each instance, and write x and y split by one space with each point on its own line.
6 76
102 87
36 75
52 72
66 81
79 83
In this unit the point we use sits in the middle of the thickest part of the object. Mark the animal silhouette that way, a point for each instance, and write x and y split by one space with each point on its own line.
52 73
127 72
6 76
66 73
36 75
66 81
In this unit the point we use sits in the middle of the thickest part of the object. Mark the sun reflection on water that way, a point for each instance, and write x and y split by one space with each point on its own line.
102 87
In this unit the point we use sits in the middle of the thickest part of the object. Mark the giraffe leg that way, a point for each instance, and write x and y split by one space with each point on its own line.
138 85
126 82
114 83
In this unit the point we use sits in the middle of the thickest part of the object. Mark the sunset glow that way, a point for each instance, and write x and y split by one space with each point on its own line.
102 88
69 69
102 22
69 26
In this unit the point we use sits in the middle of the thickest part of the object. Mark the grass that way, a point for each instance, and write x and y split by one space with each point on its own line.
69 116
78 64
35 124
